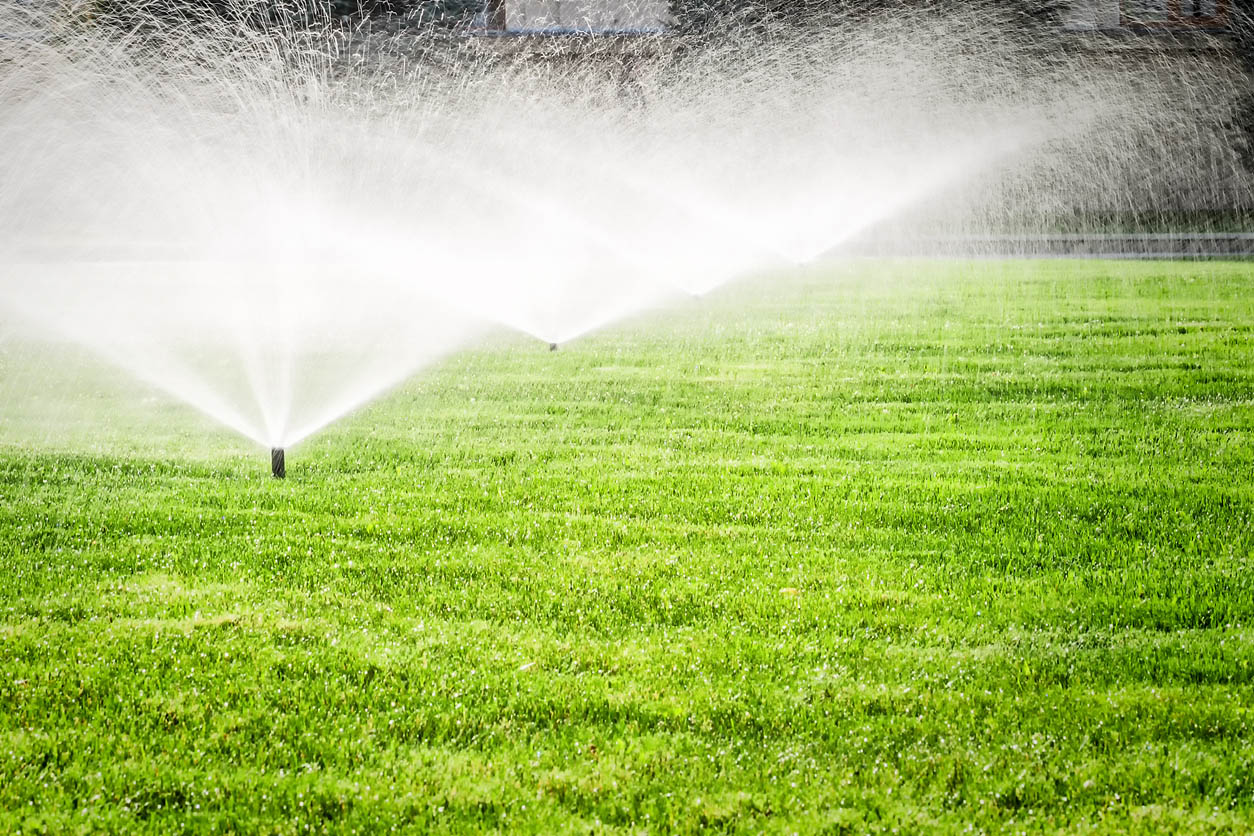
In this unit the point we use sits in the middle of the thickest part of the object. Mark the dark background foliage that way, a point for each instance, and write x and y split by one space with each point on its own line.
690 17
694 17
261 12
1243 37
698 15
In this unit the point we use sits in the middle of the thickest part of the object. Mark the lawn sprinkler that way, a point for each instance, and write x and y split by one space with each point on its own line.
277 465
552 346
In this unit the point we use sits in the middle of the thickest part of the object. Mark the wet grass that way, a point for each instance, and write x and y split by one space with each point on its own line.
876 547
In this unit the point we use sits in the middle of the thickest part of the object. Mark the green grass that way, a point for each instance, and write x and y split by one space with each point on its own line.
881 547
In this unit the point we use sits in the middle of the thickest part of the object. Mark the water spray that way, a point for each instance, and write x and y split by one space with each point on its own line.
751 149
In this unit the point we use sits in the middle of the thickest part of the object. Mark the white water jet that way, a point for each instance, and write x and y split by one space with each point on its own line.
275 230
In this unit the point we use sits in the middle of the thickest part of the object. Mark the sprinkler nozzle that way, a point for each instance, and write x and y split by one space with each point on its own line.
277 465
552 346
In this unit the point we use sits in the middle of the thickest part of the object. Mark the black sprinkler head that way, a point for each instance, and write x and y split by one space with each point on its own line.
552 346
277 466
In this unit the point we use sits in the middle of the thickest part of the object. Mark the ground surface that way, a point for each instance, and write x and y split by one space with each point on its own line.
878 546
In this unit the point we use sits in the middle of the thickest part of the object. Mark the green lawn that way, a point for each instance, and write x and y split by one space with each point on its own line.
876 547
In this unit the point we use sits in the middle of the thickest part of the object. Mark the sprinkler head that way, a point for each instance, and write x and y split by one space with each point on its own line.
552 346
277 466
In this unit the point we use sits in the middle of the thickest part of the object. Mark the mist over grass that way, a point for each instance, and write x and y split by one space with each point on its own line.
906 545
218 203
